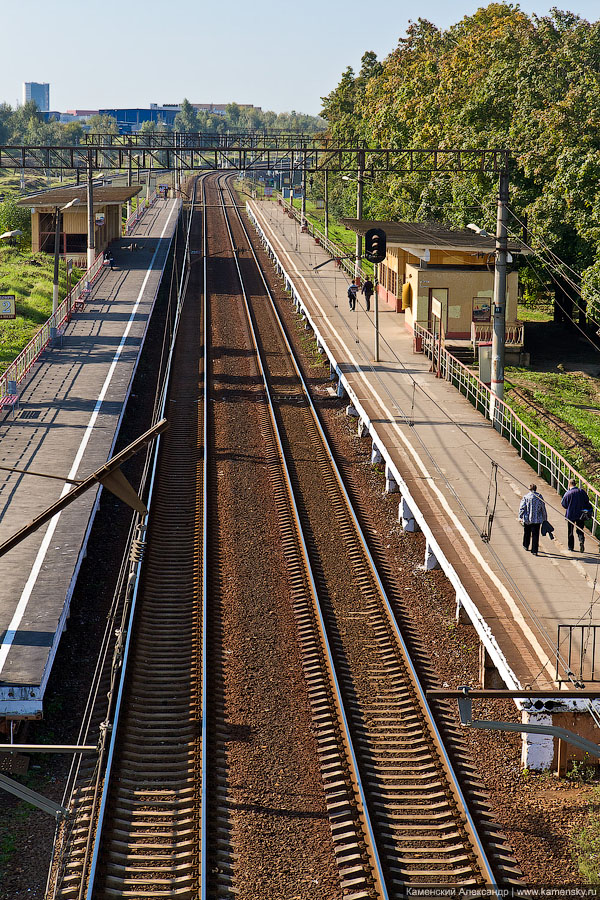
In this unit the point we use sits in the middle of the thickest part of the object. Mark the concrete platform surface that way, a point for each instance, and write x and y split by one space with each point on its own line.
70 412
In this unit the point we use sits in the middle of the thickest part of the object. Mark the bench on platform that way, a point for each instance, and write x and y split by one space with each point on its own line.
79 303
11 398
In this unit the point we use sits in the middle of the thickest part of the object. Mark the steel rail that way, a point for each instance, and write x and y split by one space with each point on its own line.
373 853
205 567
136 585
478 847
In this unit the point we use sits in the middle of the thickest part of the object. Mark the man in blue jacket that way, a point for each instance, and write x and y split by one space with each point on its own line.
578 509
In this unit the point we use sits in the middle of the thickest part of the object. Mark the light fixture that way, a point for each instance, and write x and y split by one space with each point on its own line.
480 231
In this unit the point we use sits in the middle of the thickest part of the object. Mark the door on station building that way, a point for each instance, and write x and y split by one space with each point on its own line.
440 294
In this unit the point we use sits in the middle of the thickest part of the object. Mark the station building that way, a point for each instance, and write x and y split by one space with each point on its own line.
108 213
426 262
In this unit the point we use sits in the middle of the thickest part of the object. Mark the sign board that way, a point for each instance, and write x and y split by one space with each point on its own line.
69 266
268 190
436 308
7 306
100 219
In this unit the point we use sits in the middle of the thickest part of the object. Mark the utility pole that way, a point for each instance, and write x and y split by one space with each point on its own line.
91 247
359 210
129 179
303 204
498 335
56 258
327 204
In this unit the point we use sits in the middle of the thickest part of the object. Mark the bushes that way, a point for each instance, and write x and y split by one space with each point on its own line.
13 217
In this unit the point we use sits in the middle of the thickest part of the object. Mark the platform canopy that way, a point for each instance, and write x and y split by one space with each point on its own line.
414 236
103 196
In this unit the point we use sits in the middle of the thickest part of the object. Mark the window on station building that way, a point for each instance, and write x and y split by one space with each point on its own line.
481 309
47 237
76 243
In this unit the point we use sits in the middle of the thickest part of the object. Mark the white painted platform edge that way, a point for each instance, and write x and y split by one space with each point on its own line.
478 621
17 705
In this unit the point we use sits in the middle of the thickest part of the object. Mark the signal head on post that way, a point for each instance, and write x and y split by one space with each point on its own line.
375 245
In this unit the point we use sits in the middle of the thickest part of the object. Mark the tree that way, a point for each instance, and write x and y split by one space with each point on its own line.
186 119
103 124
496 79
14 217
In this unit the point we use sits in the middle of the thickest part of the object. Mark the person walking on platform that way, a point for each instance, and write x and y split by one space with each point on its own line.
367 290
532 512
578 508
352 291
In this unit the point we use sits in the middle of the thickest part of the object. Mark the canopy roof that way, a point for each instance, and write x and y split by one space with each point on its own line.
103 196
417 236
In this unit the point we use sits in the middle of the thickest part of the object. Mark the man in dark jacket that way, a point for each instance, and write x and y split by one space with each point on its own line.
367 290
352 291
578 509
532 512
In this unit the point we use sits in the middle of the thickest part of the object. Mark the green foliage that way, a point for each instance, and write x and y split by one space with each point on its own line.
497 78
586 847
103 124
572 399
590 289
29 277
13 217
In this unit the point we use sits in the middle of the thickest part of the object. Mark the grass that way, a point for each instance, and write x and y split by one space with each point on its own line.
563 395
29 277
10 182
585 848
543 312
337 233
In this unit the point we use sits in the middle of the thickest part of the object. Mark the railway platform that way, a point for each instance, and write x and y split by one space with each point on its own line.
446 460
71 407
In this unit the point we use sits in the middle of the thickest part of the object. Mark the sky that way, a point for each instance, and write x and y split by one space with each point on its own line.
279 56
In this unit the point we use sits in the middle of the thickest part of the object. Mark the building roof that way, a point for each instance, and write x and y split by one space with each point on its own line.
418 236
62 196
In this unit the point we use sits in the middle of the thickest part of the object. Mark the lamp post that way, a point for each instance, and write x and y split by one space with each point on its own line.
91 227
326 204
499 333
58 211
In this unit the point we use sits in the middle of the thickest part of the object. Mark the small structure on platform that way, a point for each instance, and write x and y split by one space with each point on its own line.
428 262
108 212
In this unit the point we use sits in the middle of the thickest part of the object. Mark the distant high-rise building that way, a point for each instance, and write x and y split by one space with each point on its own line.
39 93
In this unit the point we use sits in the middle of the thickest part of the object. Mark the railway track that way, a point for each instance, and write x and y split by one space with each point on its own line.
250 513
146 816
396 793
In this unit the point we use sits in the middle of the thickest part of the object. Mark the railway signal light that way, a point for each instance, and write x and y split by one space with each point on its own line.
375 245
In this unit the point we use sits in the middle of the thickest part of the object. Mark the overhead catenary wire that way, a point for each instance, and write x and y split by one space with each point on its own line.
539 625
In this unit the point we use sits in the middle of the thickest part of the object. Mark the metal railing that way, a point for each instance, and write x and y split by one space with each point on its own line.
135 216
582 646
481 332
534 450
334 250
21 365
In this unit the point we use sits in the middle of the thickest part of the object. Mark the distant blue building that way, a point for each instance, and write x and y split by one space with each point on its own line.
130 120
38 92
